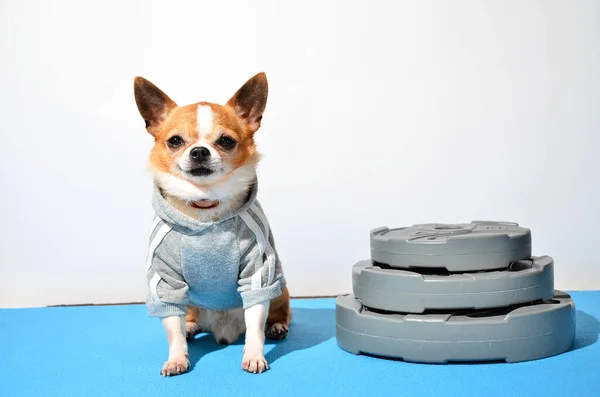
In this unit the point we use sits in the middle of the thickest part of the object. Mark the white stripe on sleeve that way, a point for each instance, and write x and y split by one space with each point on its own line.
154 224
153 286
263 219
158 238
264 248
270 251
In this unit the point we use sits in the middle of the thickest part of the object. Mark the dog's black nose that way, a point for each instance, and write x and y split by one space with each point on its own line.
199 153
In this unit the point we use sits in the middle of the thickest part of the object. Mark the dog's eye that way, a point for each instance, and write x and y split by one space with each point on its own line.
175 141
226 142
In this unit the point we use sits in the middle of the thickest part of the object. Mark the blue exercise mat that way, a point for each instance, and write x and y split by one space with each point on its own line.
118 351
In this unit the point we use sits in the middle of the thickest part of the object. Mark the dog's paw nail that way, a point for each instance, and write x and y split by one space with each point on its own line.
256 364
277 331
176 366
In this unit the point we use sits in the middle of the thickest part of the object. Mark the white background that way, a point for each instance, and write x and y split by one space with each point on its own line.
380 113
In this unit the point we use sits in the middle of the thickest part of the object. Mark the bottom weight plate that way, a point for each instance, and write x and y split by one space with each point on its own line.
408 291
516 333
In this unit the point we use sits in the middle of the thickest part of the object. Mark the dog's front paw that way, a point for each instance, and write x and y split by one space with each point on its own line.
176 366
254 361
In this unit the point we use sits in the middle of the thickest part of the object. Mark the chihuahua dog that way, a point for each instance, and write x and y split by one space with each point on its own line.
212 265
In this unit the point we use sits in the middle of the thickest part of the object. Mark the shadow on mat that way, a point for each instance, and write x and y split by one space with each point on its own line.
204 344
309 327
587 329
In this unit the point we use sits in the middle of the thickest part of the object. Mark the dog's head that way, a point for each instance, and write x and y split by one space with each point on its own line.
203 151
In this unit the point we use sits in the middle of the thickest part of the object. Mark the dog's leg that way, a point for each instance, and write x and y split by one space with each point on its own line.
192 326
179 360
255 318
280 315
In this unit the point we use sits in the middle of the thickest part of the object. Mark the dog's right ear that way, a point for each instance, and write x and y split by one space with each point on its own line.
153 104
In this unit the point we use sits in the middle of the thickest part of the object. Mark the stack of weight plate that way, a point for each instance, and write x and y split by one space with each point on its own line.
438 293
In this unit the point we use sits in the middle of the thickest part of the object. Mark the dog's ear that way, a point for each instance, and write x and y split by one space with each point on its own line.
153 104
250 100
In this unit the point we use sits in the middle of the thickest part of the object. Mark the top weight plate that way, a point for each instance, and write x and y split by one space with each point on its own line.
468 247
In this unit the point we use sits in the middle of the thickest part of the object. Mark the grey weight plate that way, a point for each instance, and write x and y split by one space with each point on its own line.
407 291
467 247
517 333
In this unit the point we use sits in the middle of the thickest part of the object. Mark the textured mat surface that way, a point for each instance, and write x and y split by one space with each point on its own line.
118 351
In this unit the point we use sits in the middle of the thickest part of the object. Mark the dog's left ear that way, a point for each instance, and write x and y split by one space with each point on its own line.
249 102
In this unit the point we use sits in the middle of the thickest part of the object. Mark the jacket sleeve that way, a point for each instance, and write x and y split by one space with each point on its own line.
167 290
261 276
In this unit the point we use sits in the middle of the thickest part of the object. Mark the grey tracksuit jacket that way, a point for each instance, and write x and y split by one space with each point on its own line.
224 265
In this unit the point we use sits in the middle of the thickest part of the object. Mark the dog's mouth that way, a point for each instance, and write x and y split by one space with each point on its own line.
205 204
201 171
